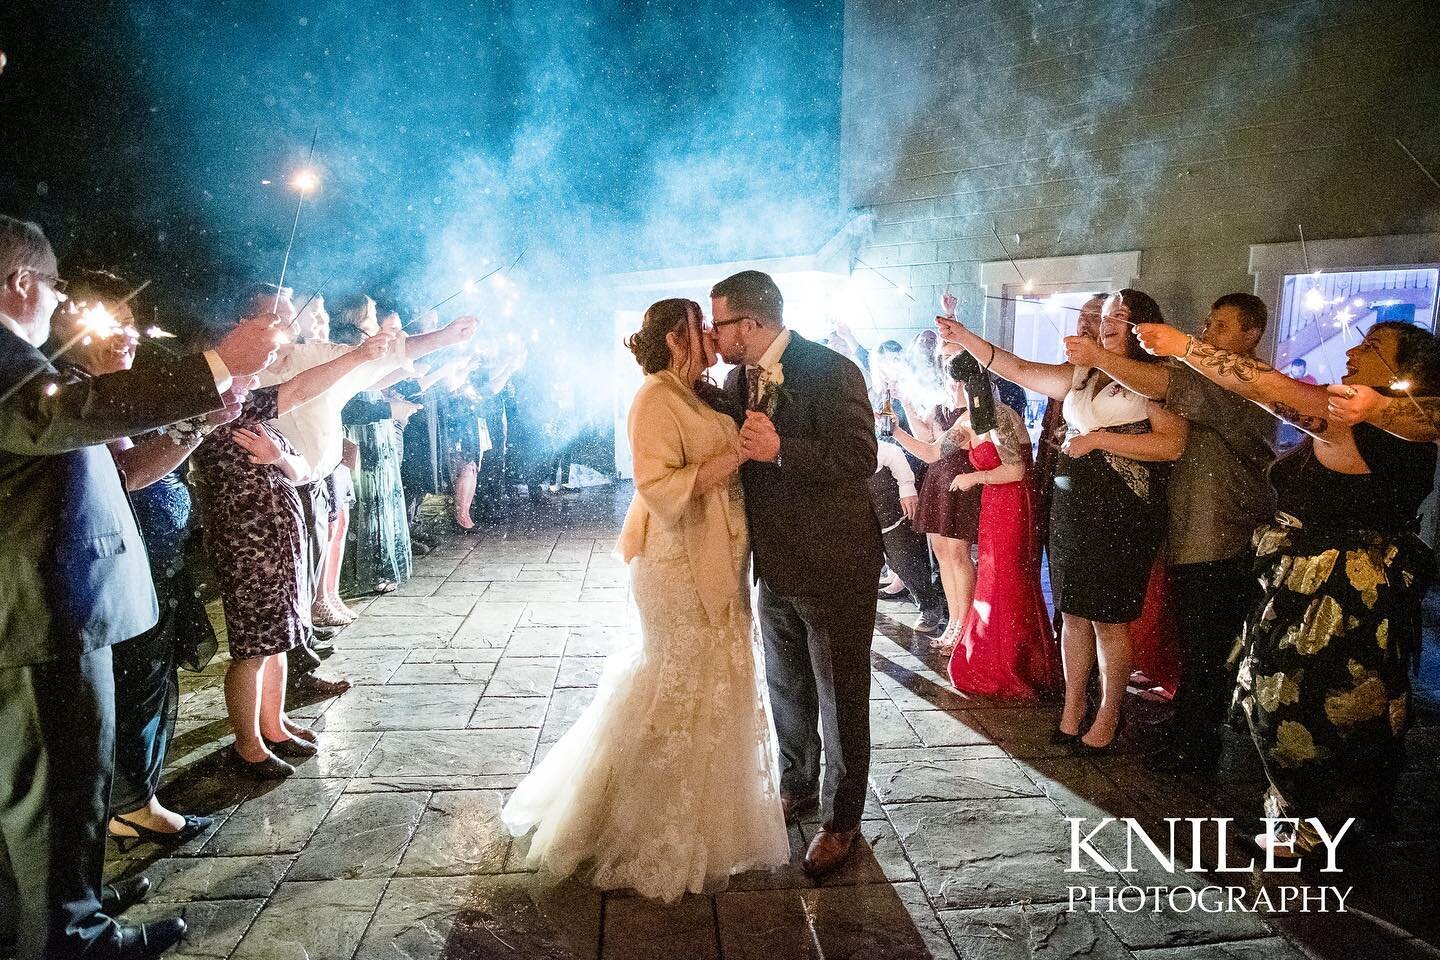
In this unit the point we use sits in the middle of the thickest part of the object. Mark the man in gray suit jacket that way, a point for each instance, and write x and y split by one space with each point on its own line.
73 580
807 427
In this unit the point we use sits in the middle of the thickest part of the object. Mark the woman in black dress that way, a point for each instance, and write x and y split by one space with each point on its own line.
147 681
1107 513
1324 681
949 518
255 539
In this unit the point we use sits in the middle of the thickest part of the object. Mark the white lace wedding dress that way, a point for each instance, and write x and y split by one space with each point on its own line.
667 782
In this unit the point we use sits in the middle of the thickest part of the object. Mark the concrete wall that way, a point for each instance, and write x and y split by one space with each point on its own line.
1184 130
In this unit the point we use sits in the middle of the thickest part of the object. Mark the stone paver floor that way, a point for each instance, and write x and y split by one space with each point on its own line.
388 844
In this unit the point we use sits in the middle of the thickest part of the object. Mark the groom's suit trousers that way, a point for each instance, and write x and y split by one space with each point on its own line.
817 666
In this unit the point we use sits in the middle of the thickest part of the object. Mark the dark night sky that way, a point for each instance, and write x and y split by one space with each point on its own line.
609 135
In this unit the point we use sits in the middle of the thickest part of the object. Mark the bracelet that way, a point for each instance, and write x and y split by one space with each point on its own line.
1189 345
992 357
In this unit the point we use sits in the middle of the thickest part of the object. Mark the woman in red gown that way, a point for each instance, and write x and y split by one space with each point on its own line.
1006 647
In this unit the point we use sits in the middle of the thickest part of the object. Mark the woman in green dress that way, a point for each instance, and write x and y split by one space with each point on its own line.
377 555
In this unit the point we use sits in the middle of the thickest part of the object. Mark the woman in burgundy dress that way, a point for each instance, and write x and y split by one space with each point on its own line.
1006 647
951 519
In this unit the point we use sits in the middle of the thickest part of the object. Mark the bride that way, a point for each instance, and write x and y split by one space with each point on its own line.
667 782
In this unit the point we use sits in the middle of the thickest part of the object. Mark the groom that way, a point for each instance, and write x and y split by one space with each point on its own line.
807 427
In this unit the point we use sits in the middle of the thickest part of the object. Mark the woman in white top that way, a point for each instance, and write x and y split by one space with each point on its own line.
668 781
1107 511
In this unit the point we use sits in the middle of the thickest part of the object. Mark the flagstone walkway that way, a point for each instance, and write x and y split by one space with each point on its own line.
388 844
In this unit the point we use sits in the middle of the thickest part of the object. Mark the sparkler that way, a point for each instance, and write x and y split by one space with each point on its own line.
95 322
898 288
1314 301
995 232
1416 160
304 181
471 286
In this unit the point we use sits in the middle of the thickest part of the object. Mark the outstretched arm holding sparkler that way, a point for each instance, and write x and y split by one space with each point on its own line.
1297 403
1052 379
1412 418
309 384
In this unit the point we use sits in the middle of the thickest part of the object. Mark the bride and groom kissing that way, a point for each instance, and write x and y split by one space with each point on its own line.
668 782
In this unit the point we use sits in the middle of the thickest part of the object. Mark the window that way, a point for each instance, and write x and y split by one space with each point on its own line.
1324 314
1033 316
1039 324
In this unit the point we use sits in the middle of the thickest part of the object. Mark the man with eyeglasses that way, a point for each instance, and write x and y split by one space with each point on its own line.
809 437
74 580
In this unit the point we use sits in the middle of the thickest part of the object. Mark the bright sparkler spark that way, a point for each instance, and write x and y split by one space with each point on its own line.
1314 300
305 180
97 322
52 389
155 333
1401 385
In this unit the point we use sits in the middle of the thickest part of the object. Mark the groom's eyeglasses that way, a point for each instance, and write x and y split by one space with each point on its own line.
717 324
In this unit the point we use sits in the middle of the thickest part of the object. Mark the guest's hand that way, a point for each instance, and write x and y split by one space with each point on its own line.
377 347
1079 446
461 329
1353 404
1084 352
250 347
954 331
260 445
1161 339
962 483
402 410
758 438
908 506
233 400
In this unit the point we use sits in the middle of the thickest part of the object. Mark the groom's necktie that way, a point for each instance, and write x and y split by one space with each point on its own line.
752 383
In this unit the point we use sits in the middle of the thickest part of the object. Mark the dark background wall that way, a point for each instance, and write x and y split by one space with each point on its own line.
1186 130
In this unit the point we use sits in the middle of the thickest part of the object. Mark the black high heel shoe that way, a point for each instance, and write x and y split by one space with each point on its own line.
1062 739
1104 748
194 826
271 768
293 748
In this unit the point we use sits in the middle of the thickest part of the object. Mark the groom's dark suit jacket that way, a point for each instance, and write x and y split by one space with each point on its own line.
812 528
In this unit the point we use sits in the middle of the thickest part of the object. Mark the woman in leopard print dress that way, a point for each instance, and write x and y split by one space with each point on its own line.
255 539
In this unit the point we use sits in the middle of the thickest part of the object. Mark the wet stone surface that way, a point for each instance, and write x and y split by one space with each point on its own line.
389 844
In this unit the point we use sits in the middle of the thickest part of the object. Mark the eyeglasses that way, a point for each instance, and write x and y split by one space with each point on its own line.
717 324
56 284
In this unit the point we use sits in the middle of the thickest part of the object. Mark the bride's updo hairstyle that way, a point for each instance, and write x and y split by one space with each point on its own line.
648 344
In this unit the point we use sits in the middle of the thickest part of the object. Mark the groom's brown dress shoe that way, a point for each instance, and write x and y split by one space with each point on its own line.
792 806
828 850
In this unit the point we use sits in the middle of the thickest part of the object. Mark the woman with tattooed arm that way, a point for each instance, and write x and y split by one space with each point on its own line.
1324 681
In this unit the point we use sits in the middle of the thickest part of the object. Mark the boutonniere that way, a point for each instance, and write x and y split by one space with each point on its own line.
772 383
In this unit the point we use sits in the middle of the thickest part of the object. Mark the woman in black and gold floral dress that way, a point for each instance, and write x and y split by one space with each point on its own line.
1324 681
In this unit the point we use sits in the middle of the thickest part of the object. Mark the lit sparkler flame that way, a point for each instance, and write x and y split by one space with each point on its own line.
96 322
1314 300
51 389
305 180
1401 385
155 333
